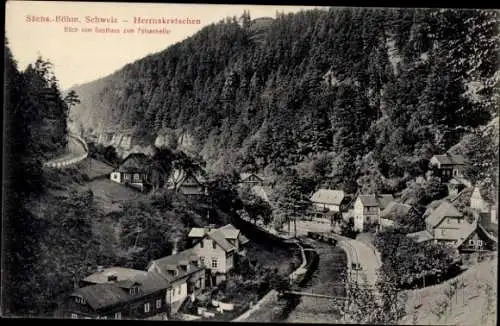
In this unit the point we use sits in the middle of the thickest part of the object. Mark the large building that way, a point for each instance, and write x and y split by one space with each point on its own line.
328 200
118 293
218 248
446 224
367 209
132 171
448 165
185 273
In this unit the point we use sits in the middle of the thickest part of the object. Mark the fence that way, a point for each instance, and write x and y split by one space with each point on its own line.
74 160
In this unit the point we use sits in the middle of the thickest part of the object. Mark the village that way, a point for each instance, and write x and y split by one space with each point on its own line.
167 285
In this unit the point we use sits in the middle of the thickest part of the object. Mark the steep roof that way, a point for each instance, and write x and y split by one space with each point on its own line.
220 239
420 236
245 175
384 200
197 232
368 200
106 294
229 231
394 209
450 159
173 262
328 196
446 209
380 201
102 295
134 162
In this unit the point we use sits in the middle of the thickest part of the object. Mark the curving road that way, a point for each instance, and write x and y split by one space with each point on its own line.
76 150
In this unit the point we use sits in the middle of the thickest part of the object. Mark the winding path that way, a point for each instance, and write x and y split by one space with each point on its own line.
78 151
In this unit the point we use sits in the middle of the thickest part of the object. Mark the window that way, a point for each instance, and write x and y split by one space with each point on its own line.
201 244
79 300
158 303
214 244
118 315
202 259
479 243
74 316
179 289
104 317
146 307
133 291
214 262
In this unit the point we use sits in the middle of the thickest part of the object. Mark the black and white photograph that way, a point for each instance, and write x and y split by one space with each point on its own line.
250 163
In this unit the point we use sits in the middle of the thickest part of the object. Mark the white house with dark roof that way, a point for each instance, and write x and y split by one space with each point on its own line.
230 233
184 271
446 224
133 170
367 209
218 248
449 165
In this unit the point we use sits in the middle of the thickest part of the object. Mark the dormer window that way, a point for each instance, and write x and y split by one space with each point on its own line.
79 299
134 290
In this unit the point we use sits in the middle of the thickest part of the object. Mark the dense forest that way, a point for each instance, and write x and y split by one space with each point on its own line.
374 91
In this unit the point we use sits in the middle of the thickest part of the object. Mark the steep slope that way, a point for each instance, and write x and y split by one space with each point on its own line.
316 81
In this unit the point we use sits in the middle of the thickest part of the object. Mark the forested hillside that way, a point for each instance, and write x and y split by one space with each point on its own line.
353 97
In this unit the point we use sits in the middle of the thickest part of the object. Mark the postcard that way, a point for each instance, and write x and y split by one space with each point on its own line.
250 163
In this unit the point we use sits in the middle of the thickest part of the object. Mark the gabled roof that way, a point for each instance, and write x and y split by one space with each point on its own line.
246 175
420 236
102 295
197 232
446 209
229 231
450 159
464 233
328 196
395 209
219 238
380 201
384 200
106 294
174 262
134 162
368 200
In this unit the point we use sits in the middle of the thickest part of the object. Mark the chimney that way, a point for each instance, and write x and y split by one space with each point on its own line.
112 278
175 247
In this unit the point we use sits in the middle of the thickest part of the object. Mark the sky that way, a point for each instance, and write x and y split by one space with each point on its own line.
42 28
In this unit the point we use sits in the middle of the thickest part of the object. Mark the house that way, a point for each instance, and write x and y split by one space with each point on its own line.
185 273
230 233
118 293
445 224
252 179
389 214
488 217
215 251
186 183
448 165
367 209
328 200
132 171
478 203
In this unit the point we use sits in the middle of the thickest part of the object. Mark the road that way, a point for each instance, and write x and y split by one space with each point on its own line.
365 255
75 149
